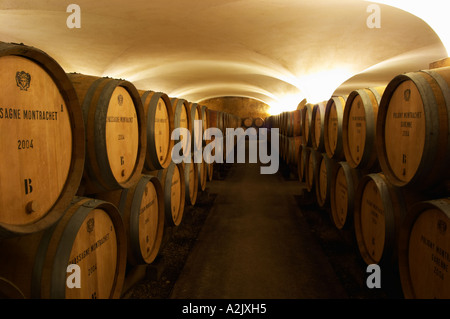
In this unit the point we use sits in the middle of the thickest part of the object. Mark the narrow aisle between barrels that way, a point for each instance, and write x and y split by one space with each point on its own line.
256 244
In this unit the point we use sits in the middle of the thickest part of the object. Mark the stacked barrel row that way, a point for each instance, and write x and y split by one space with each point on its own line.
255 122
223 121
91 181
379 165
289 125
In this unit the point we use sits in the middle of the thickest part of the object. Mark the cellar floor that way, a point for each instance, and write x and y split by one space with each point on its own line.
255 236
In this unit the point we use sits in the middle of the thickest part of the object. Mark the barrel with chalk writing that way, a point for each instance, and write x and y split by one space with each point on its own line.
83 256
42 140
424 250
159 122
173 183
413 125
142 211
115 133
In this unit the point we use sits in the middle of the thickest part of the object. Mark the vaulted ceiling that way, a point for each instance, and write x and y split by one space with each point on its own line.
275 51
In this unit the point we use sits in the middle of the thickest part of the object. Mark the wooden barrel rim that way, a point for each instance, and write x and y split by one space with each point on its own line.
64 247
76 168
151 116
8 290
430 109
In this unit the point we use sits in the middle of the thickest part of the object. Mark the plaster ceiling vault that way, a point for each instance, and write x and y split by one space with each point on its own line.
275 51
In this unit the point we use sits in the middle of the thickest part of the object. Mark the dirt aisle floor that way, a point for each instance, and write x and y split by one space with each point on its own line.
258 236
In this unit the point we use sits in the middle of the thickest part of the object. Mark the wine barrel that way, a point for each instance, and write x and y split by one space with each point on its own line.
258 122
302 160
294 123
116 139
197 129
293 145
191 181
413 129
424 250
182 119
344 184
317 127
210 170
306 124
378 213
247 122
202 175
142 209
358 127
173 184
332 130
312 161
325 168
90 235
205 121
213 118
159 118
42 144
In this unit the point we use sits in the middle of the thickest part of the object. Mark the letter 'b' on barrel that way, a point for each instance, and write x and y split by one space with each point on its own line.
42 140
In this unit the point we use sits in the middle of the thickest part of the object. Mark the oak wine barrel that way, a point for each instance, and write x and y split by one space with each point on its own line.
325 168
359 126
197 130
191 181
182 119
303 153
293 145
306 124
294 123
317 127
312 160
332 130
413 129
159 118
258 122
247 122
378 213
142 209
344 184
43 141
116 139
90 235
424 250
173 184
202 175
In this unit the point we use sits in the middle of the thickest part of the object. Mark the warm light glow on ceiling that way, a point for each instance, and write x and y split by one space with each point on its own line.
433 12
285 103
